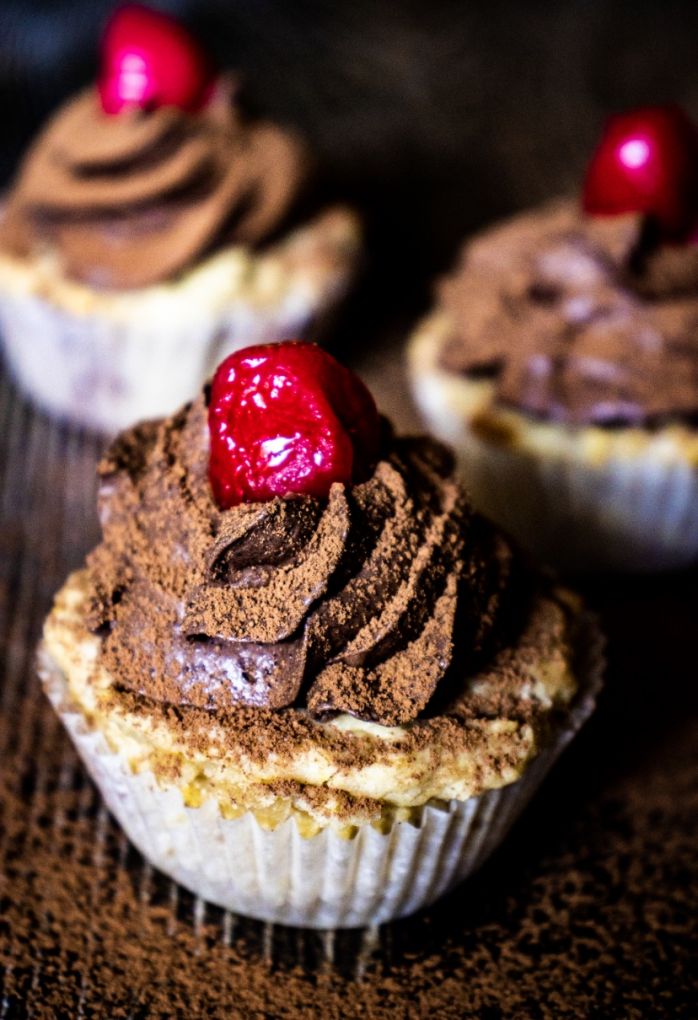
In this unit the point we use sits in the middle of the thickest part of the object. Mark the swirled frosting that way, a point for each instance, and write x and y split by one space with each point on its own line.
367 603
577 319
134 199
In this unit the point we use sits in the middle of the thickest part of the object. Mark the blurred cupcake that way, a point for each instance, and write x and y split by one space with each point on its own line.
153 228
311 684
561 360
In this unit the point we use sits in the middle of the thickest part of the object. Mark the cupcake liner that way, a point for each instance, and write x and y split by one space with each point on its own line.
641 515
326 880
633 509
109 374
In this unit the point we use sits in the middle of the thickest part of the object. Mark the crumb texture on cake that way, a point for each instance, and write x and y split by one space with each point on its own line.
306 268
340 771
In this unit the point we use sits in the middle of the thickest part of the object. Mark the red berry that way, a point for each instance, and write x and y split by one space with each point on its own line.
149 60
647 162
285 419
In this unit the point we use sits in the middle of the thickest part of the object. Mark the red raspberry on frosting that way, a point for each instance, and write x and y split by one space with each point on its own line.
150 60
647 162
288 419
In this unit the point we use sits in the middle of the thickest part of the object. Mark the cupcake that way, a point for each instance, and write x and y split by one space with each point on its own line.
152 229
561 359
311 684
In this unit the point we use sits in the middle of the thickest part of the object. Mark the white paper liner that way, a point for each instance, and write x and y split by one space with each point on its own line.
325 881
637 513
109 374
641 515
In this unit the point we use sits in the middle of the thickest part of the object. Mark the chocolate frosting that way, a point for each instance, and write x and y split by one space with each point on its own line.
134 199
577 319
365 603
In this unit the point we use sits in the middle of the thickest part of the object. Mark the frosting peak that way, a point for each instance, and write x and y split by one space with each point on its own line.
348 604
134 199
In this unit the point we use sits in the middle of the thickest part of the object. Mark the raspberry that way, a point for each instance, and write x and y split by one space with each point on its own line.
150 60
647 162
288 419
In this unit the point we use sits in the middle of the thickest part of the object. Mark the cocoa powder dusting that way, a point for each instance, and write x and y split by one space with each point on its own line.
350 605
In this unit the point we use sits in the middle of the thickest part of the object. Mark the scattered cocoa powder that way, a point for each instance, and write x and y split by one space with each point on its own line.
258 733
549 929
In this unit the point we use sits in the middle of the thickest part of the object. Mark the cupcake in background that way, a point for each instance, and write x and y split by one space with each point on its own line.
153 228
561 359
311 684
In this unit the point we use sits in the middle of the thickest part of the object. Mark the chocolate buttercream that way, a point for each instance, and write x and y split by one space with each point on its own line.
134 199
577 319
367 602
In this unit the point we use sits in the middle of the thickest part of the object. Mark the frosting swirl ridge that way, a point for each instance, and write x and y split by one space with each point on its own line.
577 319
134 199
349 604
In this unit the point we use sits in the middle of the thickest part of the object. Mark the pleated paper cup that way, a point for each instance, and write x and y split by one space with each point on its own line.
108 375
326 880
108 360
580 499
